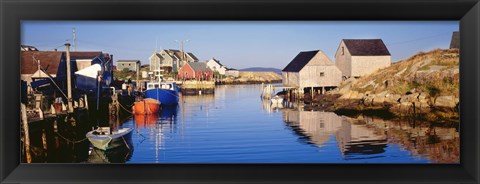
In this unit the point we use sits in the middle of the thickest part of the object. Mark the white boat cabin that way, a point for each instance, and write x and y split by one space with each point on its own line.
161 85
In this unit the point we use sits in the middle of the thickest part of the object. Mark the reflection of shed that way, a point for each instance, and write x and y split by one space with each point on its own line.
359 139
316 126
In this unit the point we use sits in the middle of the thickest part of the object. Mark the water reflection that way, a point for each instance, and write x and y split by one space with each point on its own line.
358 141
437 142
366 137
315 127
117 155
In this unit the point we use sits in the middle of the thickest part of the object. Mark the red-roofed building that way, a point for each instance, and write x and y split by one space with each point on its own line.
196 70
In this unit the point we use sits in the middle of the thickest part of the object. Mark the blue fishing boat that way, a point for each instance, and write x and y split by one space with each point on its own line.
165 92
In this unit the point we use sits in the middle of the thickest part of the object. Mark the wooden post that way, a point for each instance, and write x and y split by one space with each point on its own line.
86 101
69 80
311 93
27 135
263 89
44 142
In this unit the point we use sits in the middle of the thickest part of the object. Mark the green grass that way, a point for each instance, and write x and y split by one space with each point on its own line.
424 68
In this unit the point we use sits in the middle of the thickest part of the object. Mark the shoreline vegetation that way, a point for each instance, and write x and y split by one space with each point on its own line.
424 87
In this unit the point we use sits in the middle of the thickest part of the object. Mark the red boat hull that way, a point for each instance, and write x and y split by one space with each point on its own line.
146 106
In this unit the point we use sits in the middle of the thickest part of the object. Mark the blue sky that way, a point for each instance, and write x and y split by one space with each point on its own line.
237 44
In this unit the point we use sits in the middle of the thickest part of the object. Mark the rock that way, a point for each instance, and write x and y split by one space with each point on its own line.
422 107
378 100
445 101
345 96
354 95
368 100
392 98
410 98
401 108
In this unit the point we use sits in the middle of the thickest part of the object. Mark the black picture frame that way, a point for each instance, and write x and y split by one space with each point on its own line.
13 12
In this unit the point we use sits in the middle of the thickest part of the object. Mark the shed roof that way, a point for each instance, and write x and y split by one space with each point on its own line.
216 61
366 47
300 61
49 60
199 66
178 54
159 55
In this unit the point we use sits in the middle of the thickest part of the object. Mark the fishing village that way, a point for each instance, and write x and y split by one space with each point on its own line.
87 107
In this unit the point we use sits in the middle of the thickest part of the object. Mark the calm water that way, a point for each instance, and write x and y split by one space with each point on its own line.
235 126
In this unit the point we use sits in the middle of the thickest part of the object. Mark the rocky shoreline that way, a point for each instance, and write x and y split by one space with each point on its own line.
424 86
418 105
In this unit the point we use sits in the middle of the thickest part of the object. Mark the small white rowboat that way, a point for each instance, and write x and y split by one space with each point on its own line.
102 139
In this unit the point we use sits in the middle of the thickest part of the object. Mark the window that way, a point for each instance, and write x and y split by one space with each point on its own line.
322 74
343 51
129 64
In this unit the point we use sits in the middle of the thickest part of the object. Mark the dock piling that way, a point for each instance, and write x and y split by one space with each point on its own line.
26 134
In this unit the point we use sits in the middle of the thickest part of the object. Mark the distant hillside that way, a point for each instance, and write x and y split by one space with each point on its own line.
262 69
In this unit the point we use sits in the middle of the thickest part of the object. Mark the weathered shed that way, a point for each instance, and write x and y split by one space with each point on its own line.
311 69
132 65
359 57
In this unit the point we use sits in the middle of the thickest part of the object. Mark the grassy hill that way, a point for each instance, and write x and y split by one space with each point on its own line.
426 85
435 72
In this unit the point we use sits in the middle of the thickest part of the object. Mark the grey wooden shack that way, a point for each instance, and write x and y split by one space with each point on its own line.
359 57
132 65
311 69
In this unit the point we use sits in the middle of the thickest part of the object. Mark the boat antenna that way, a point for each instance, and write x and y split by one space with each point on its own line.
74 40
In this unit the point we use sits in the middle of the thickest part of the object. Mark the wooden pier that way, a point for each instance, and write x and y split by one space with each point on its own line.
194 87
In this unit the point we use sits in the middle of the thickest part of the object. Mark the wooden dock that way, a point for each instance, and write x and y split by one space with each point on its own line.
194 87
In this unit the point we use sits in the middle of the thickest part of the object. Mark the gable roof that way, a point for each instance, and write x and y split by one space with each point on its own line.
49 60
199 66
178 54
455 43
159 55
366 47
300 61
216 61
192 56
